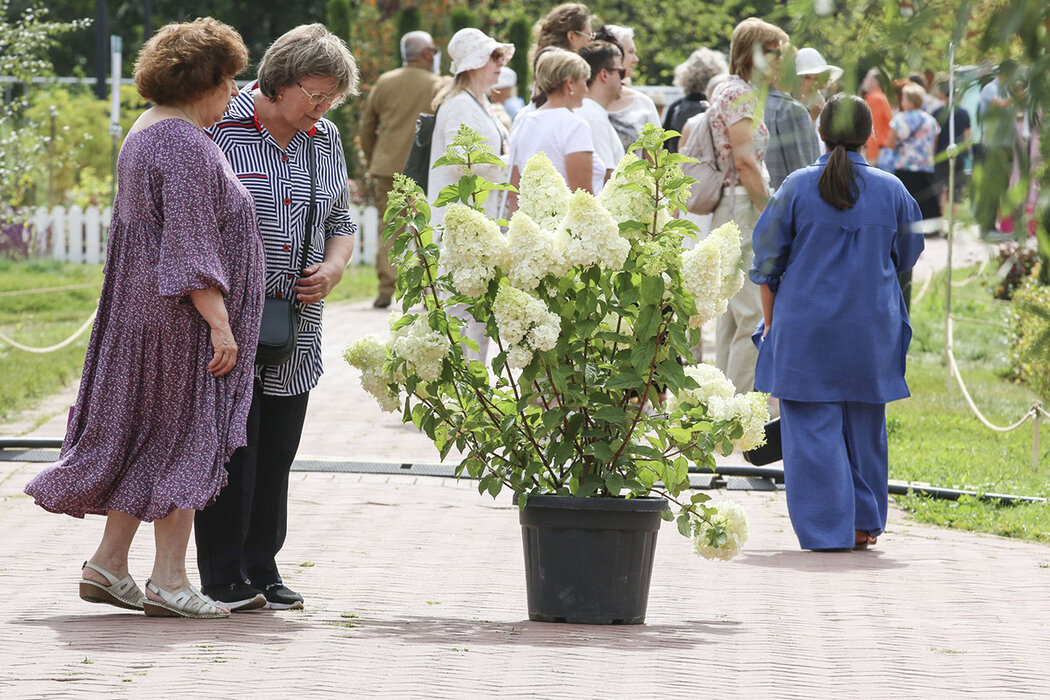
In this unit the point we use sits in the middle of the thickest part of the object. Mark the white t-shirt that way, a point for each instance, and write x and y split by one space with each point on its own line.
557 132
607 144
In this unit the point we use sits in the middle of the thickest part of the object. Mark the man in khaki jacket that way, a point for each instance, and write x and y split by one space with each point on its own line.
387 127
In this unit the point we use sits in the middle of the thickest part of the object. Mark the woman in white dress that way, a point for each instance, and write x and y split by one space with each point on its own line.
476 63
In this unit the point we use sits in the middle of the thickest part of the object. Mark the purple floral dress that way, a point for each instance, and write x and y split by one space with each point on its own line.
153 429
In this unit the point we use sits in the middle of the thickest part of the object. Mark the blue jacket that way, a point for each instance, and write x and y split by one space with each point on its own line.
840 329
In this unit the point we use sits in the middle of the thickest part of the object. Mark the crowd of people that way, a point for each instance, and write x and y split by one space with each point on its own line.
232 199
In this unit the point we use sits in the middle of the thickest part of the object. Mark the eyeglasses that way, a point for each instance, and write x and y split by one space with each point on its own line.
316 98
778 52
621 71
587 35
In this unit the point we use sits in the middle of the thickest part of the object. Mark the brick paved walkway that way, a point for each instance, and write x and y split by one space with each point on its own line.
415 588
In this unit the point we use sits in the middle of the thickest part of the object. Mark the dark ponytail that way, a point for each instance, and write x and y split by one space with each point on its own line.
845 125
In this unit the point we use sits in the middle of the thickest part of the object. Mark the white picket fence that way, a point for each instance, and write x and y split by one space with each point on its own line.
76 235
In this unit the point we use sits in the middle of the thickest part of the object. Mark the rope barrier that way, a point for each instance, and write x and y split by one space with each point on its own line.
1032 412
974 276
53 348
44 290
925 288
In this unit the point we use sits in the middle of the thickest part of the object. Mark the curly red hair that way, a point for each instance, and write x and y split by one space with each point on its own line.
181 61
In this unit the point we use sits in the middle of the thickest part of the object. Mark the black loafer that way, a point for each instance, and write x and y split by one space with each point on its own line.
280 597
236 596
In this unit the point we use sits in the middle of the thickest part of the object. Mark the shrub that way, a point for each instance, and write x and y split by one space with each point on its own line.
1030 316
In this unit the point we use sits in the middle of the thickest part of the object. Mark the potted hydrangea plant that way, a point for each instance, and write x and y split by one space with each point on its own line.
584 408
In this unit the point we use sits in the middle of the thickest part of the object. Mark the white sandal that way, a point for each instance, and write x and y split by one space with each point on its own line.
189 602
122 593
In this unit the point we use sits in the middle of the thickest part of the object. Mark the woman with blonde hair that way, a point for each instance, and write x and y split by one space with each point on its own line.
561 76
740 139
167 383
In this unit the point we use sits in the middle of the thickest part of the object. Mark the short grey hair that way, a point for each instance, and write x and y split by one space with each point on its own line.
621 33
697 70
308 50
413 44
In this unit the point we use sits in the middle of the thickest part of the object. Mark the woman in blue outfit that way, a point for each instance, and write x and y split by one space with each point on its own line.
828 248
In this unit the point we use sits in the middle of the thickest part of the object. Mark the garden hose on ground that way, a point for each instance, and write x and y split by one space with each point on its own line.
743 478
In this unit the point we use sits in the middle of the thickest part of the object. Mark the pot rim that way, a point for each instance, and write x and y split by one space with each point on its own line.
638 503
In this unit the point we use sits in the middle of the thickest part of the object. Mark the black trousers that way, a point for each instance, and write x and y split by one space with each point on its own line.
238 537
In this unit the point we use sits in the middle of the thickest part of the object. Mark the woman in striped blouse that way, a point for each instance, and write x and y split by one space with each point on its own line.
268 134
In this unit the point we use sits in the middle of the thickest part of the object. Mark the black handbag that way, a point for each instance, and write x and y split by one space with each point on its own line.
417 165
280 318
771 451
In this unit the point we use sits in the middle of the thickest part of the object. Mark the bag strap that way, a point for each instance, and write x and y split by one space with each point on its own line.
312 164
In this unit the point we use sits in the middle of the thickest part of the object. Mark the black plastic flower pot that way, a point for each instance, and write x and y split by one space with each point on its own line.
589 560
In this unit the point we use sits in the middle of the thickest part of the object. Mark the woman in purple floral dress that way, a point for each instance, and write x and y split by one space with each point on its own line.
167 380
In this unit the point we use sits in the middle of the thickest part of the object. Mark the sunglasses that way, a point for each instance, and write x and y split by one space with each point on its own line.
774 52
621 71
316 98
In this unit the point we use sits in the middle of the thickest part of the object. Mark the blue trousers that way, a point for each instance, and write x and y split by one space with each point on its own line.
836 470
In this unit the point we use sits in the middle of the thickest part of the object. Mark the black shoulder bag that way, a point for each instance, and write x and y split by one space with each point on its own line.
280 319
417 165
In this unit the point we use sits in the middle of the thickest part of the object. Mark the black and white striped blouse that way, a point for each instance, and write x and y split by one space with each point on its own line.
279 181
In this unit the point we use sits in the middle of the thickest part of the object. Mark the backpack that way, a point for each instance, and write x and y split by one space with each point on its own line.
706 192
417 165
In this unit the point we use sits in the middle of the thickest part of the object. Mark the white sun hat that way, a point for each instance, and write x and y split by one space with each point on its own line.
471 49
507 78
810 62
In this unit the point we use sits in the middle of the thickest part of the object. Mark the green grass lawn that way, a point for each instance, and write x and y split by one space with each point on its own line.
41 320
936 439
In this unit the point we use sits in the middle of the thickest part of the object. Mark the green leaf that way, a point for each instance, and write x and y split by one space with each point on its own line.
652 289
614 483
684 526
624 380
448 195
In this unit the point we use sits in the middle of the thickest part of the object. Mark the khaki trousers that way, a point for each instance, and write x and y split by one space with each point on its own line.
735 353
381 186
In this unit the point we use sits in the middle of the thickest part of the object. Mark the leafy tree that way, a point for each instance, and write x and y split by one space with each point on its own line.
24 45
519 33
463 17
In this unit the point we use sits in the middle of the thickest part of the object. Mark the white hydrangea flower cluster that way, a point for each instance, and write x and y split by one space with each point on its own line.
660 254
536 253
752 411
368 355
543 194
628 203
525 324
472 248
590 235
730 516
711 272
717 393
728 238
423 348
